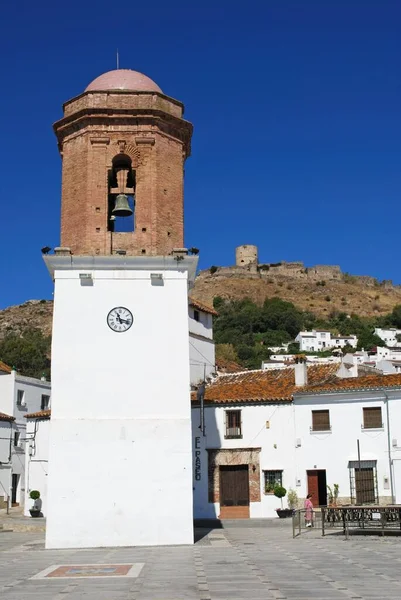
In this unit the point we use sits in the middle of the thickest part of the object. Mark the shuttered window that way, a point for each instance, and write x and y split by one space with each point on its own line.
372 418
320 420
233 424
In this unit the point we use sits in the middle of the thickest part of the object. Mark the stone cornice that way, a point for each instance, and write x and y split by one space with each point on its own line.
174 126
56 262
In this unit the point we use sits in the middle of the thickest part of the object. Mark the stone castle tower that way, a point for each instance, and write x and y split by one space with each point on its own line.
123 144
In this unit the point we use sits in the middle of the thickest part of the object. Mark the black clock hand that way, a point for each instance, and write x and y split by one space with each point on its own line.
118 317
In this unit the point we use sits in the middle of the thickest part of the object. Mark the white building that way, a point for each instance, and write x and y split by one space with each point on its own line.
263 427
389 336
37 457
319 340
18 396
201 345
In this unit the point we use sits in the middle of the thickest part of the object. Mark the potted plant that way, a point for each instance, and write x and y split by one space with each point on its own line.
333 494
280 492
37 504
292 499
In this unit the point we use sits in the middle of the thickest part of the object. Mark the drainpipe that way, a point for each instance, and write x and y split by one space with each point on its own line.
390 460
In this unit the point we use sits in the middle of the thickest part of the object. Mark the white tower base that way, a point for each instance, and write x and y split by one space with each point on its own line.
120 460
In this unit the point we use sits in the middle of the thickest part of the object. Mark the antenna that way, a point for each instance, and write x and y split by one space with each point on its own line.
118 60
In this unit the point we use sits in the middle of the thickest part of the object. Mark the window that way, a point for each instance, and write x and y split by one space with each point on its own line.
363 482
196 315
320 420
17 436
372 418
233 424
272 478
45 403
20 398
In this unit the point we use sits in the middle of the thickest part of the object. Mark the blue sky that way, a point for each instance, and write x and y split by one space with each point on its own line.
296 110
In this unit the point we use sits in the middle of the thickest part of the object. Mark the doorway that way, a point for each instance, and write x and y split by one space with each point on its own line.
234 492
317 486
14 489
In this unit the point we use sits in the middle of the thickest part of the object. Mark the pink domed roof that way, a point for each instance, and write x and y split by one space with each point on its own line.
123 79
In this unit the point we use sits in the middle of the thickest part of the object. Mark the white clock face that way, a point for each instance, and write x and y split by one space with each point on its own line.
119 319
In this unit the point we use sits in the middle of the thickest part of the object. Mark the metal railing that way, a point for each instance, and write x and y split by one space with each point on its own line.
301 525
345 518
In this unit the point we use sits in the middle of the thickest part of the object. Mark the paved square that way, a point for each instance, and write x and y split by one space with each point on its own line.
239 562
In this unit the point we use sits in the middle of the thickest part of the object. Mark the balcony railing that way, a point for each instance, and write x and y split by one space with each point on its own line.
233 432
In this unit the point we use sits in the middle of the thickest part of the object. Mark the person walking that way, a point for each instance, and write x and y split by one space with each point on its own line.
308 506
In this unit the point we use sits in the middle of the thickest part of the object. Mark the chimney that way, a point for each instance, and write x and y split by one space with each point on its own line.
301 371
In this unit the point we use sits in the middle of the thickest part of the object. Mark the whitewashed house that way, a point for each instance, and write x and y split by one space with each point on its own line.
201 345
19 395
298 427
389 336
37 457
331 420
319 340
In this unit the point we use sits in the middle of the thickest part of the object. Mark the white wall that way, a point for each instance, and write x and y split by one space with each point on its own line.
332 450
201 346
276 443
36 461
389 336
6 434
33 390
120 461
7 392
312 341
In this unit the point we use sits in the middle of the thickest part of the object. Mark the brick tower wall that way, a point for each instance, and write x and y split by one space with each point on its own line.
147 128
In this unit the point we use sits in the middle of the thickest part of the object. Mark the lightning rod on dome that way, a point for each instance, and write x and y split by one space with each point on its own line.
118 60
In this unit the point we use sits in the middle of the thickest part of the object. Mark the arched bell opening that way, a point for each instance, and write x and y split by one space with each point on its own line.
121 195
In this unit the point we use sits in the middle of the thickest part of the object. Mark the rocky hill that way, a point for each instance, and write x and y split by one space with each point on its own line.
319 289
33 313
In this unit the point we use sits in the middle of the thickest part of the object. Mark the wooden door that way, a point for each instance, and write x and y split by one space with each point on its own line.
234 485
313 486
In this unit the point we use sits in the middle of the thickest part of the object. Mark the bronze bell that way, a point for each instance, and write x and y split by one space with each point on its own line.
121 207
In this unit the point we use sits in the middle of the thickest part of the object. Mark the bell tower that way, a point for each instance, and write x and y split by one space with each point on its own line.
123 145
120 454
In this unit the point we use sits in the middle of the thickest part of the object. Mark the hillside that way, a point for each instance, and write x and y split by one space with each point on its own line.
32 314
320 292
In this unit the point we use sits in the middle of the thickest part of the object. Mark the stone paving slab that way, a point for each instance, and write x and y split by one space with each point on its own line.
225 564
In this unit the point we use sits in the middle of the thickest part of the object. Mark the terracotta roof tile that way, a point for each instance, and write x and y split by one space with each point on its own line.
4 367
4 417
204 307
367 382
41 414
276 385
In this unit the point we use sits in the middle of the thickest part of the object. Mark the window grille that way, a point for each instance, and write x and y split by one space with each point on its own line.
320 420
233 424
372 418
45 402
20 398
272 478
363 482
